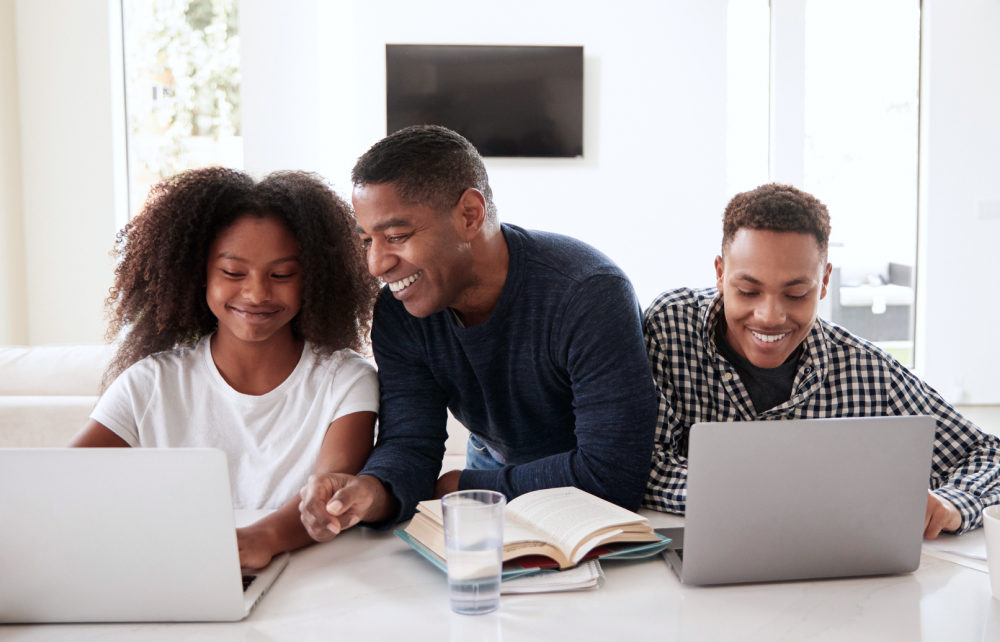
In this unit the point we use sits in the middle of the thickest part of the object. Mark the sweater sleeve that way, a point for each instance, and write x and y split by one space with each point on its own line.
599 341
412 416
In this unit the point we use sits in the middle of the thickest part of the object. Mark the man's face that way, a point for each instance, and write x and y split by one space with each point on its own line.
771 284
419 252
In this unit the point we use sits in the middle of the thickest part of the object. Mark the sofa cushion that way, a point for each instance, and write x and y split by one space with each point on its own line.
52 370
42 422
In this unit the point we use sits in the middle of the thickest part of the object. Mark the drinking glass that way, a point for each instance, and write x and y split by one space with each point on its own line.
473 537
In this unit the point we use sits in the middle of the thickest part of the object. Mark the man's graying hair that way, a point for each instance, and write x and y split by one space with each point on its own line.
429 165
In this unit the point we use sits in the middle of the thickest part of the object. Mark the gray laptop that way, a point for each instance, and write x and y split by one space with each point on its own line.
121 535
803 499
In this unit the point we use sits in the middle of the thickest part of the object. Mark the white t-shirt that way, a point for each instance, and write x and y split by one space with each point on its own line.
178 399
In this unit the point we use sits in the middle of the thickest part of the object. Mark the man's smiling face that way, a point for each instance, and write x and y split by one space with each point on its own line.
771 284
417 251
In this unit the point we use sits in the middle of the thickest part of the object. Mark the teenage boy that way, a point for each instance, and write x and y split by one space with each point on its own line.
753 349
532 340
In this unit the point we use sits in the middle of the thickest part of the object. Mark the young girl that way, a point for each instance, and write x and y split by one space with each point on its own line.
239 305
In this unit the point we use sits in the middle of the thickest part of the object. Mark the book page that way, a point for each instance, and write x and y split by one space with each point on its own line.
567 516
427 527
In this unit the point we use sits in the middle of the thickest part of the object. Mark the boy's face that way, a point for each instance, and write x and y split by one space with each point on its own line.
424 255
771 284
254 280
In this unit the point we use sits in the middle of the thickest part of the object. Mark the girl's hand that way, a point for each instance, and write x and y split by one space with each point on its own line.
255 546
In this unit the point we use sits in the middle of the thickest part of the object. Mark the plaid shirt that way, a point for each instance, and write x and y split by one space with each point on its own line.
839 375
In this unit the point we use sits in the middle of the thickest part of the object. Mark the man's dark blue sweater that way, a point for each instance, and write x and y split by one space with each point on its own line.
556 382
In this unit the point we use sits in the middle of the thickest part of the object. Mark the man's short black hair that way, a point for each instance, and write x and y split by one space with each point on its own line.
429 165
779 208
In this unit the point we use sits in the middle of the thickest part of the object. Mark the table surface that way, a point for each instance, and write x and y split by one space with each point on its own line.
369 585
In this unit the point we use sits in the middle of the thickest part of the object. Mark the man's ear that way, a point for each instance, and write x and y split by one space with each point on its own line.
469 214
720 269
826 279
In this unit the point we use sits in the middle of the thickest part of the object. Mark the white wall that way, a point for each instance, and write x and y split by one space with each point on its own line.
72 159
13 295
650 189
649 192
958 300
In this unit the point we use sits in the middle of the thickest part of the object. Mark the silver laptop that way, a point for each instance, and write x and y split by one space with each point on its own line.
803 499
121 535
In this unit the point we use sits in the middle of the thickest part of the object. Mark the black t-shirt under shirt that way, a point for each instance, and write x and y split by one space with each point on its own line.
768 387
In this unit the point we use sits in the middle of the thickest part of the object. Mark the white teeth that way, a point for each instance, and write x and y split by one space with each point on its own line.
396 286
768 338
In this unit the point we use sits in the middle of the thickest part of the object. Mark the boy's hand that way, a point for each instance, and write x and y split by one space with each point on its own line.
335 501
941 516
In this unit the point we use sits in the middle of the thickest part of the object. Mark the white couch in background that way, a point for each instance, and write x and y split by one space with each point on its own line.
48 392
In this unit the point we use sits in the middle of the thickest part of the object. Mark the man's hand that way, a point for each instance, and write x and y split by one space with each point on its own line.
941 516
335 501
447 483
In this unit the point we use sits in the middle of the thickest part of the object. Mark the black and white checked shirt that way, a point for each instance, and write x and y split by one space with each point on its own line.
839 375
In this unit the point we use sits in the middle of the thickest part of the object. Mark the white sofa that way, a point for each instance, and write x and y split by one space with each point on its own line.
48 392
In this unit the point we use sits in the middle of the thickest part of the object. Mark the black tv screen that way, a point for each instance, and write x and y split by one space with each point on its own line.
508 101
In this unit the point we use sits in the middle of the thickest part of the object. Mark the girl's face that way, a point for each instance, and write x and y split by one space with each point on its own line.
254 280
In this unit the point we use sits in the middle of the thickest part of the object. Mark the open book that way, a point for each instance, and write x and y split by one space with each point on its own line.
563 524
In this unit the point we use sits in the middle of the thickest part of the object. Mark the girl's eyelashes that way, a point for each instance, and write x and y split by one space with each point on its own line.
240 275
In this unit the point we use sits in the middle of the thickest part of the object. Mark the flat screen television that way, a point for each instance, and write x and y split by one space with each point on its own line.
507 100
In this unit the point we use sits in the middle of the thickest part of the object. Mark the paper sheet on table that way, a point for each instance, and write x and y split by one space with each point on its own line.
971 544
585 576
967 562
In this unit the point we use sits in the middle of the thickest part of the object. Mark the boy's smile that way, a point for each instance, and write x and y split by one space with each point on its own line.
771 284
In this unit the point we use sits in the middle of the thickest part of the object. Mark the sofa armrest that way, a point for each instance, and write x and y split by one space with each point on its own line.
42 422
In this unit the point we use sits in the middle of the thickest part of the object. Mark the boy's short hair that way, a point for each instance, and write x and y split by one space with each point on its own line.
780 208
429 165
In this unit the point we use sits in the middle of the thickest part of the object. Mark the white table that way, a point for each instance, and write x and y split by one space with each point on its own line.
371 586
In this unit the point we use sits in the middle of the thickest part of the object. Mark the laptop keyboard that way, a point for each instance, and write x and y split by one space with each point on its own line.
247 581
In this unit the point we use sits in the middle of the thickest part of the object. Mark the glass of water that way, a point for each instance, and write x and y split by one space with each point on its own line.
473 537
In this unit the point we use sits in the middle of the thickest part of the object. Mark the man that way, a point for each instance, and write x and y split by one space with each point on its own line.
754 349
532 340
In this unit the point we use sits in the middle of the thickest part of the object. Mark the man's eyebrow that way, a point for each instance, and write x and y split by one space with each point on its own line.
392 222
747 277
799 281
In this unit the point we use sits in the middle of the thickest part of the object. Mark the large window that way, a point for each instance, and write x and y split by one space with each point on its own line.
862 77
182 89
841 123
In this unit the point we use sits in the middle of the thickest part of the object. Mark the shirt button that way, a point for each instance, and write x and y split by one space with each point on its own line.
727 377
808 368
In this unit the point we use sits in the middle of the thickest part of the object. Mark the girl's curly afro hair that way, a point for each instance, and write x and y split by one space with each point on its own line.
158 300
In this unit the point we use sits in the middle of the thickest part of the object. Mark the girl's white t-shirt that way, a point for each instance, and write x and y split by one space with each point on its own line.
178 399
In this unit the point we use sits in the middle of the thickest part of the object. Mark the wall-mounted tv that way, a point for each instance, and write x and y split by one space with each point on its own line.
507 100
